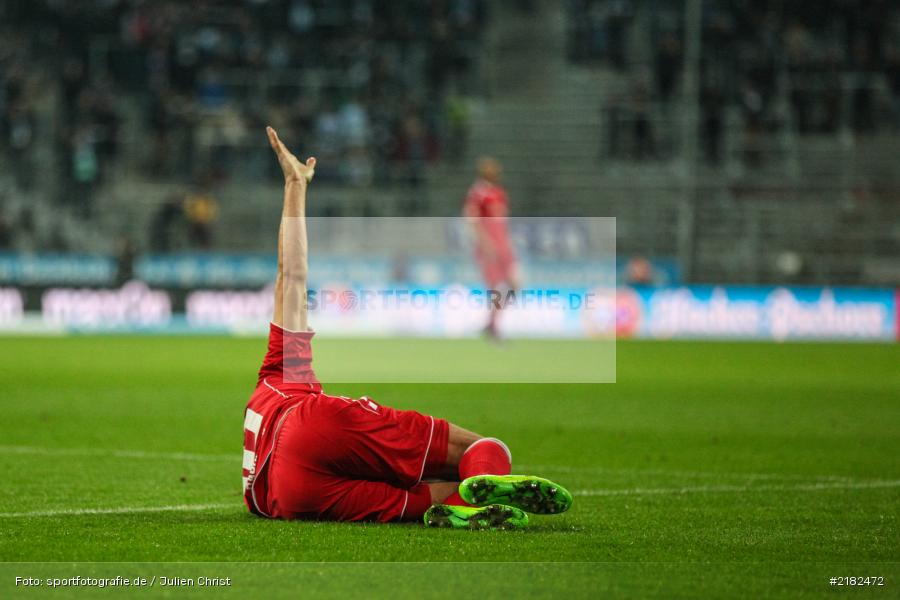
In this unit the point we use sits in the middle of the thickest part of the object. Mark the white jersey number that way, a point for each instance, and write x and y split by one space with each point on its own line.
252 422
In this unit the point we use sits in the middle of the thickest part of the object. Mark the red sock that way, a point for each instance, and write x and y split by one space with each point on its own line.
487 456
455 499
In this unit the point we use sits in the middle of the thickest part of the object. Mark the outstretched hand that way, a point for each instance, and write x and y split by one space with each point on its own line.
291 167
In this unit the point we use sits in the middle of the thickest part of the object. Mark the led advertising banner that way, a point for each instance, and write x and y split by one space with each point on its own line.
687 312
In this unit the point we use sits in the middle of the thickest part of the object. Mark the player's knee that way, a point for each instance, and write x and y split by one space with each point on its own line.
461 441
440 491
491 440
458 441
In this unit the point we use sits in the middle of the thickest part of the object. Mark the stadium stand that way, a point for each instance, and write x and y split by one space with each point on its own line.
154 107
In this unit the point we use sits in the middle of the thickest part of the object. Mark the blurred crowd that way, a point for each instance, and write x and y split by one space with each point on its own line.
363 84
816 66
372 87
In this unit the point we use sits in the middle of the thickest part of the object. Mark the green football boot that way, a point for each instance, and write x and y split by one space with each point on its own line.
493 516
532 494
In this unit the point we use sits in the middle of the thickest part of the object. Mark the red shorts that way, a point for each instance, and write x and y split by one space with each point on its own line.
341 459
497 270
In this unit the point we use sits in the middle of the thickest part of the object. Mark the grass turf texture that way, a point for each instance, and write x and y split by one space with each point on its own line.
737 469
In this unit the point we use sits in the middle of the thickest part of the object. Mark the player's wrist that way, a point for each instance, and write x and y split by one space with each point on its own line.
295 180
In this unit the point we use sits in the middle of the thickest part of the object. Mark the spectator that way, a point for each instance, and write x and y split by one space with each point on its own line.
415 148
200 209
457 117
668 66
25 236
354 128
7 238
20 133
642 124
328 132
84 168
619 15
639 271
821 46
184 66
712 124
125 261
169 218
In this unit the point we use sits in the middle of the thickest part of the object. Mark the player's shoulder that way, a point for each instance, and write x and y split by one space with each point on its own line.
479 189
493 196
490 190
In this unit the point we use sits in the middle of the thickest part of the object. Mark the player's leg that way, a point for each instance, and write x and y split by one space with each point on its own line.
297 491
441 490
501 275
312 473
527 492
449 510
492 516
484 466
492 273
360 439
319 496
361 500
459 444
469 454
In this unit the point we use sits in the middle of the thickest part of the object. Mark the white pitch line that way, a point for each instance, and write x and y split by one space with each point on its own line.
235 458
599 470
675 491
122 510
188 456
720 489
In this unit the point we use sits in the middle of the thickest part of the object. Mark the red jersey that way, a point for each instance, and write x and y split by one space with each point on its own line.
286 378
488 203
486 199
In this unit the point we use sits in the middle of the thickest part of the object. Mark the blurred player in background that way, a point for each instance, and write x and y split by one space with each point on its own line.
487 209
310 455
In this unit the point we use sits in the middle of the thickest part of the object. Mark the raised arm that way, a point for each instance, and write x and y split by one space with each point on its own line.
290 285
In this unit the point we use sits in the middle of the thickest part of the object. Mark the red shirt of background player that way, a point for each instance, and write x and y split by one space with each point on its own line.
488 206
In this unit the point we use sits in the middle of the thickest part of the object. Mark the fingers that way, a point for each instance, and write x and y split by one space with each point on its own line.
285 158
273 138
276 143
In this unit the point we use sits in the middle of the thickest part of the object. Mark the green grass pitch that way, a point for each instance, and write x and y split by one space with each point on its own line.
709 469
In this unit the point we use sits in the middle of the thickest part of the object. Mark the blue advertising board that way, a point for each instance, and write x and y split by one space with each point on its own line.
24 268
758 313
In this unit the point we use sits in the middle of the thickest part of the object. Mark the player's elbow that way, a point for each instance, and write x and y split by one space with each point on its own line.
293 271
296 274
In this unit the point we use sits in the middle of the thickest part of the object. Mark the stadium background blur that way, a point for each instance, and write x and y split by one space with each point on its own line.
735 142
752 142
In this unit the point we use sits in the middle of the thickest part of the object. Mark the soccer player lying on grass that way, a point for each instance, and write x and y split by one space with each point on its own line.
310 455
